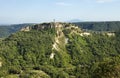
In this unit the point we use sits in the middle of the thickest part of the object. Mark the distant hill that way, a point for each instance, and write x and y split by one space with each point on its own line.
75 20
6 30
100 26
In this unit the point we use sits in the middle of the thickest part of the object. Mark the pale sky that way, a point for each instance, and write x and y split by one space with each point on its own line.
36 11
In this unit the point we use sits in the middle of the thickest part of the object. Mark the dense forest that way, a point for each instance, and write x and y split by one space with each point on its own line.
100 26
60 50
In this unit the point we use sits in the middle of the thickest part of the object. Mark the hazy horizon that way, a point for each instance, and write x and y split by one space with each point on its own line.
37 11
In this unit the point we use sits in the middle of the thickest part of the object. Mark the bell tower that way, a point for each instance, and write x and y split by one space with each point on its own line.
54 23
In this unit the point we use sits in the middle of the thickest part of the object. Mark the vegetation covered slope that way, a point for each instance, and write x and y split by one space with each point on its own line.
60 50
100 26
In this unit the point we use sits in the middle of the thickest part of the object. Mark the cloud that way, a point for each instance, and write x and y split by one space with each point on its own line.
63 4
104 1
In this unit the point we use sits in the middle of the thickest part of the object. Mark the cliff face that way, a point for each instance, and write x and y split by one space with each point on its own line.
43 26
26 28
